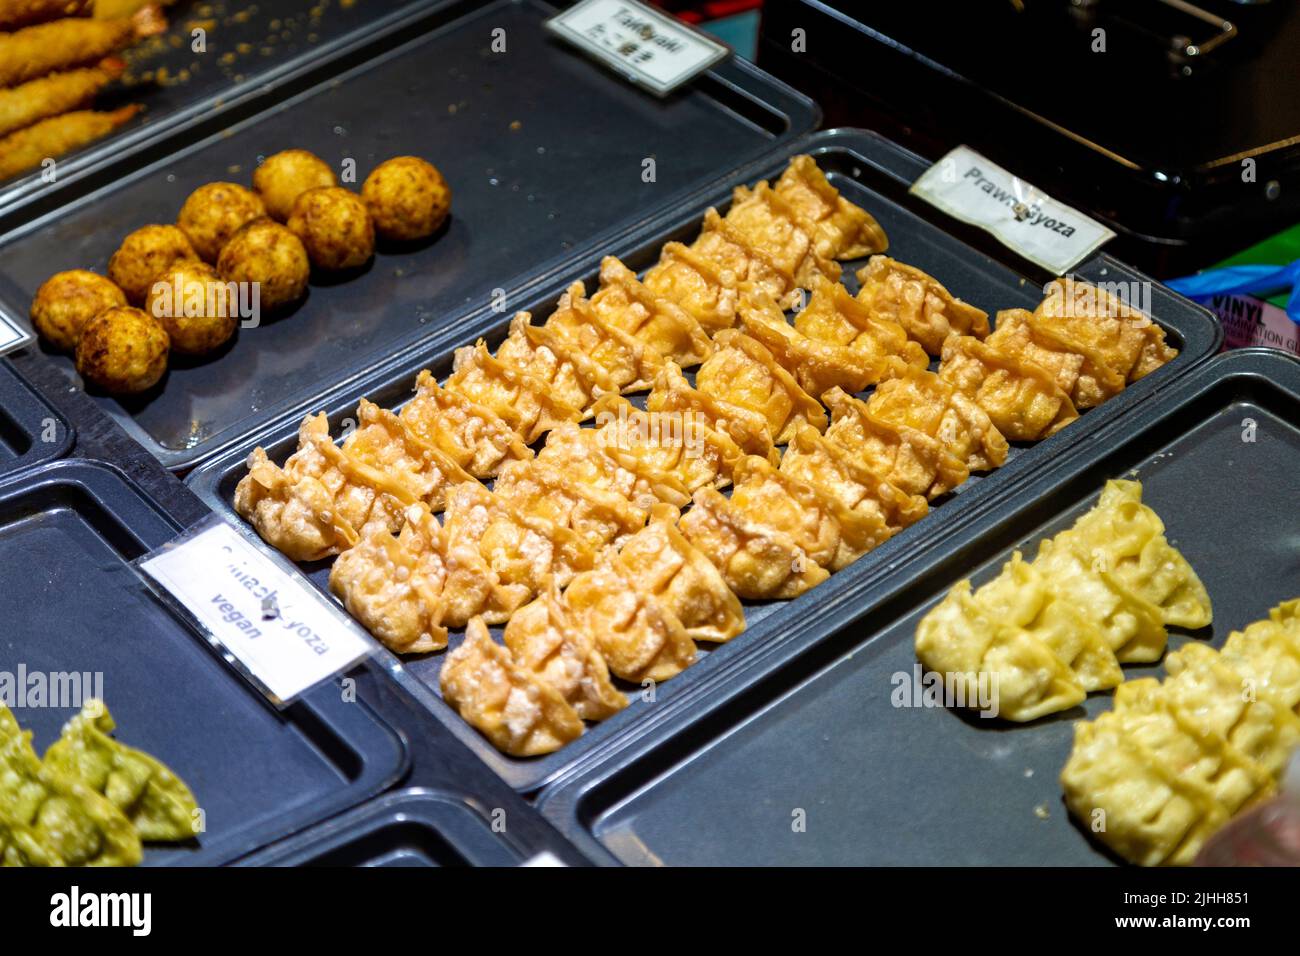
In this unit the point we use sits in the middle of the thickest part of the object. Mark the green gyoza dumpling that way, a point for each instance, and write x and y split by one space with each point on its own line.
153 798
50 820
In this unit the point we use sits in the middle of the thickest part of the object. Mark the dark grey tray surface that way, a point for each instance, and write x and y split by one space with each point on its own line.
416 828
873 173
519 136
73 604
31 431
809 726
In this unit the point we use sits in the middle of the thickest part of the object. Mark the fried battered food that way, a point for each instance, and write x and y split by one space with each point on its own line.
407 197
638 635
62 44
57 136
66 301
1091 320
621 362
1023 400
334 226
21 13
840 230
286 175
198 310
912 460
591 457
599 516
521 400
1175 760
834 316
1049 632
673 395
267 254
122 350
706 290
543 638
927 311
743 372
382 442
662 325
479 439
918 398
55 94
663 562
213 213
1083 375
570 376
146 254
521 714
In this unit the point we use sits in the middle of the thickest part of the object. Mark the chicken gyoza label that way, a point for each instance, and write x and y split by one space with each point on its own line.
971 188
272 626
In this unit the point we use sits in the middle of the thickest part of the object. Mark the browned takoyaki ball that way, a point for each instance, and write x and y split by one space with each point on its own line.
215 212
143 255
67 301
407 197
334 226
268 254
198 310
282 178
122 350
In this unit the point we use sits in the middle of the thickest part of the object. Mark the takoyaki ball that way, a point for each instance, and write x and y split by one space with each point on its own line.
334 226
407 197
67 301
122 350
196 308
268 254
282 178
215 212
144 255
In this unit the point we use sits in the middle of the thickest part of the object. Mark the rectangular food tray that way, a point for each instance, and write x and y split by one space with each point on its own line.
72 604
810 725
31 431
873 173
517 134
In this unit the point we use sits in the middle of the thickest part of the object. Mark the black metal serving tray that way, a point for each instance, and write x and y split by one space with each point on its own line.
869 171
544 153
30 430
72 603
417 828
809 725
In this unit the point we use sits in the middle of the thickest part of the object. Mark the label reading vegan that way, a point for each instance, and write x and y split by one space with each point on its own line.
281 632
648 47
1051 234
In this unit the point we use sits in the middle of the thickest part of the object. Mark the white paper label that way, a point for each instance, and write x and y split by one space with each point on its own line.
648 47
545 858
283 633
12 335
969 187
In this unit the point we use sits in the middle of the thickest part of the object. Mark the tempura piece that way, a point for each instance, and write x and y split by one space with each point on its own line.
840 229
543 638
57 136
683 450
918 398
673 395
832 315
62 44
660 323
707 290
927 311
639 637
684 581
913 461
521 714
571 377
1079 370
54 94
477 437
21 13
743 372
583 455
1088 318
1022 399
629 364
599 516
522 400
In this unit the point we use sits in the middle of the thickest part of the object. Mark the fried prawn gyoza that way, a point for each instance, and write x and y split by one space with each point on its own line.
1022 399
476 436
519 398
672 395
622 362
54 137
840 230
63 44
54 94
661 324
925 309
1089 319
833 315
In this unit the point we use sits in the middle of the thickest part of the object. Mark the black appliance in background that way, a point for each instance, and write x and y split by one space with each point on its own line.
1176 124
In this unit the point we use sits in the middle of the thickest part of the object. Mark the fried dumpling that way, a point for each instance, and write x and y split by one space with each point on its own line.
628 363
650 318
705 289
815 364
1267 654
918 398
1080 371
673 395
663 562
640 637
743 372
477 437
927 311
1022 399
524 401
832 315
679 448
156 801
762 241
521 714
599 516
572 378
1088 318
758 561
913 461
543 637
382 441
592 457
840 229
